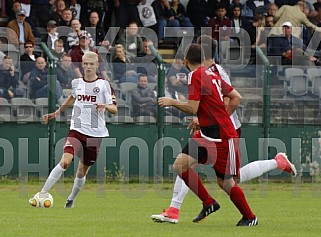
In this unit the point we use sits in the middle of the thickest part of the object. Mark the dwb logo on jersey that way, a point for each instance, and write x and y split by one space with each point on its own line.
91 98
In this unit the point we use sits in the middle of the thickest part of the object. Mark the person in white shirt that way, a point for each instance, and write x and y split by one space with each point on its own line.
91 97
52 34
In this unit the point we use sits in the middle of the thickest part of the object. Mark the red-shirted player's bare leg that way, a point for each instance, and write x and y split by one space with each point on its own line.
183 166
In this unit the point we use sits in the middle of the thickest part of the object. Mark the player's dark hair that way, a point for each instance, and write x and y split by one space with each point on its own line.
208 44
194 54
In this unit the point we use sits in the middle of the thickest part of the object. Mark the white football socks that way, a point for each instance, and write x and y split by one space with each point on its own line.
78 185
256 169
179 192
53 177
247 172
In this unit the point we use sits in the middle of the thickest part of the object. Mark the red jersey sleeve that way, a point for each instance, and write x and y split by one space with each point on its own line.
194 85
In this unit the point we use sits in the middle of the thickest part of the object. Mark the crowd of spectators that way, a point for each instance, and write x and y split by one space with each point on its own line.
284 28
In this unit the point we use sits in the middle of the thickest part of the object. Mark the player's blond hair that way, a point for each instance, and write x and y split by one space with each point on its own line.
91 55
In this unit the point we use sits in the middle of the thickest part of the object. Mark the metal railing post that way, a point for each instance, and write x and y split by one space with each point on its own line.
51 104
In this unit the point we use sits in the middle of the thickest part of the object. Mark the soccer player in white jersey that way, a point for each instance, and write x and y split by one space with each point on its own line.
91 97
248 172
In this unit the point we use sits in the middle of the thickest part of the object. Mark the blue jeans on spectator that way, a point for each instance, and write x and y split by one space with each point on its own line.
162 23
186 22
43 92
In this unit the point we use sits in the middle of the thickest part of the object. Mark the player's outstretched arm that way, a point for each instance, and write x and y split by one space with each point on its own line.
190 107
67 103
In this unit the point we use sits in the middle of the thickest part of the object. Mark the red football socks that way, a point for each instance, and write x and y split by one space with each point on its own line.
194 182
238 198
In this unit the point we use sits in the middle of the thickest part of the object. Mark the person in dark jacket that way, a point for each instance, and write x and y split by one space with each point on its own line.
38 81
143 98
290 48
8 79
65 71
28 59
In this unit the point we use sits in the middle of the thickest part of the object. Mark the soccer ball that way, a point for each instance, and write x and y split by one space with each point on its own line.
42 200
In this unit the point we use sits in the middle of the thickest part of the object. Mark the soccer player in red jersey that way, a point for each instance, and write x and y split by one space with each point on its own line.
216 142
247 172
91 96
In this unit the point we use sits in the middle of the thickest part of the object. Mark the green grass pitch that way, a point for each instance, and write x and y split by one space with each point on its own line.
283 209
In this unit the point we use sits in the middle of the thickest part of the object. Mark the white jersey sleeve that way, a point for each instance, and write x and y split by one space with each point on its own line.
234 117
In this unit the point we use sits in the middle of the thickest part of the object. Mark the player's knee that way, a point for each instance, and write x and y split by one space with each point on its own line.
66 161
64 164
179 166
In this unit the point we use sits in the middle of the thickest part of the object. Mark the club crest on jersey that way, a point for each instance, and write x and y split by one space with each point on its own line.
96 90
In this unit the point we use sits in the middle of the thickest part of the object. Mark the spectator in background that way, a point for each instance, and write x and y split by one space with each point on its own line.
28 59
17 5
127 10
64 27
220 24
65 71
121 66
8 79
290 48
60 5
214 4
255 30
52 34
198 12
78 51
272 8
269 21
295 15
258 6
262 36
132 42
19 31
143 99
180 14
14 7
220 28
66 17
89 6
98 33
38 81
73 37
58 50
165 18
238 23
147 64
177 78
40 12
